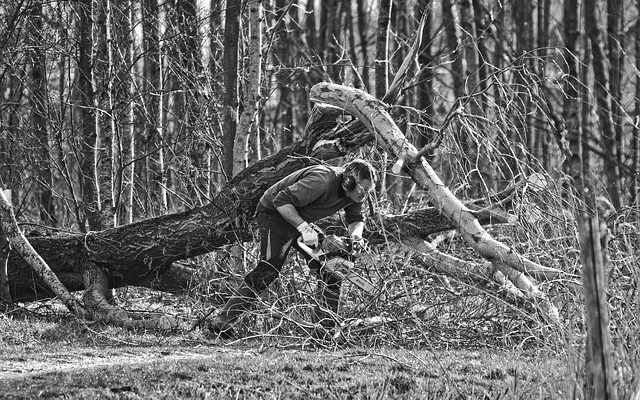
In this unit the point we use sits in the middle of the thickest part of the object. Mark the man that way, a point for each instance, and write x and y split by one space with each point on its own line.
284 214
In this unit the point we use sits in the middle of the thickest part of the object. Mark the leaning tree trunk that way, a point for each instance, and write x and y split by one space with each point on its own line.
373 114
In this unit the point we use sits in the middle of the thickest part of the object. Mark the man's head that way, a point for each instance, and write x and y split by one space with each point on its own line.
359 179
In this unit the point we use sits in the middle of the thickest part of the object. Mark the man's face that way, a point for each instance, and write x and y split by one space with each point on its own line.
362 189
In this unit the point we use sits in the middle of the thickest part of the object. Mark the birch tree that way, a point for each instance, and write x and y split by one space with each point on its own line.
248 122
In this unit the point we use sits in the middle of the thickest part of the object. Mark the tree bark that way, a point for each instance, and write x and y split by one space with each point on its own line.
616 57
572 112
38 104
451 24
635 140
230 67
363 42
603 99
382 48
88 176
524 129
424 89
247 125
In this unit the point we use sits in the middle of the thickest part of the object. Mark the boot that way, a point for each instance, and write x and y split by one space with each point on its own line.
220 326
327 308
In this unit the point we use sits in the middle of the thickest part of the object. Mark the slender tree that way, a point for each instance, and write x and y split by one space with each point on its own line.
39 115
87 119
102 70
451 24
230 68
247 124
572 113
604 103
382 48
635 140
281 55
525 130
483 29
424 90
543 19
468 42
615 52
363 40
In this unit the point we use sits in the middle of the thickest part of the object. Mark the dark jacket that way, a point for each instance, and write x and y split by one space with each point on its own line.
316 192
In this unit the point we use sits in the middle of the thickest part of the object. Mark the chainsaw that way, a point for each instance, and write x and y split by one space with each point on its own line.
331 254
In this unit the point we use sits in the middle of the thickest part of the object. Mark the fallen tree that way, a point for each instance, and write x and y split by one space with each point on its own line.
145 253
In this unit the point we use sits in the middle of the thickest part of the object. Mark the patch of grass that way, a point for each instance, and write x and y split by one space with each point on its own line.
280 374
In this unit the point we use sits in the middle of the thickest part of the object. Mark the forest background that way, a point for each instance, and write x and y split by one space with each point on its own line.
117 112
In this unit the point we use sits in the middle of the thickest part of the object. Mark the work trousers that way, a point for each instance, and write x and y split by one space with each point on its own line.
277 237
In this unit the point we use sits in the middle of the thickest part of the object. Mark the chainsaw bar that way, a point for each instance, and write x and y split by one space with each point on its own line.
340 267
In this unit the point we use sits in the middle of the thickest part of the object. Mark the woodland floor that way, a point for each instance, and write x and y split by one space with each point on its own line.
62 358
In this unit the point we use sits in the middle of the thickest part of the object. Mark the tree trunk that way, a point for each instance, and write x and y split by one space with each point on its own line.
86 113
38 104
115 150
247 124
451 24
382 48
542 138
635 140
616 57
572 113
468 42
603 100
230 67
424 90
482 30
282 55
363 42
524 130
161 122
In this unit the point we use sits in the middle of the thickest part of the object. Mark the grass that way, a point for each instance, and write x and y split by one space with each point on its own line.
62 359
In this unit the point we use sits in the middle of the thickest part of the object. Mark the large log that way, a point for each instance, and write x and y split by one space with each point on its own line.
68 258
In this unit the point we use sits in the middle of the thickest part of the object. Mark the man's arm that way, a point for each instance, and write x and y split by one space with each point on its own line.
290 214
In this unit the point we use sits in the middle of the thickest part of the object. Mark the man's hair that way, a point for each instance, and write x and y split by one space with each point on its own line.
361 169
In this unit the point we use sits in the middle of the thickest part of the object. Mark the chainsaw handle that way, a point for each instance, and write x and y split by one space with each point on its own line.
310 252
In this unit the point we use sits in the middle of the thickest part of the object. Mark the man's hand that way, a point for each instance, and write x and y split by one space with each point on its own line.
308 234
